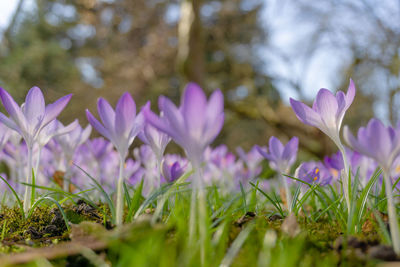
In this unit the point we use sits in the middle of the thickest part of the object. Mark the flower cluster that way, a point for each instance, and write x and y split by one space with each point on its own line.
33 141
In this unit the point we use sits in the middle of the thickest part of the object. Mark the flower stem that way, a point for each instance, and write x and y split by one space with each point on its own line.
202 211
288 195
39 153
28 189
393 223
198 207
347 179
120 195
192 218
67 174
159 171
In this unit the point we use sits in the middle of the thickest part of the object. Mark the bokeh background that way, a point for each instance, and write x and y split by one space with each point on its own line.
259 53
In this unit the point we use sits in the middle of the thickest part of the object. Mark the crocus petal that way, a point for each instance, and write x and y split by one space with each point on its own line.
66 129
352 141
125 113
215 105
262 151
97 125
327 108
54 109
275 147
396 146
138 125
342 107
9 123
290 151
157 122
13 109
351 92
106 113
381 145
306 114
175 118
212 130
146 128
34 106
176 171
85 134
194 106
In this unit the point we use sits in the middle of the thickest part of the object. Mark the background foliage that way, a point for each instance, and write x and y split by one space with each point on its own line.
150 47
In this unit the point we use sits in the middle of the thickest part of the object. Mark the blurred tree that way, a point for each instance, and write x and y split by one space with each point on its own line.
367 33
151 47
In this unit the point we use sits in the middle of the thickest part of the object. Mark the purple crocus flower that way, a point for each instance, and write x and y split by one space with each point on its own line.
54 129
195 124
252 159
28 121
327 114
334 164
376 141
172 172
72 139
145 155
120 127
156 139
69 142
4 135
314 172
173 167
382 144
359 163
327 111
99 158
223 169
365 166
281 158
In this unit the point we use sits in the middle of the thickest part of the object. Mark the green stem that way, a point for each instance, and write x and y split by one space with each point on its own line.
28 189
287 191
198 211
67 174
120 196
393 223
346 177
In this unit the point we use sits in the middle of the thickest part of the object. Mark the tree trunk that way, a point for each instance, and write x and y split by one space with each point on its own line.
190 58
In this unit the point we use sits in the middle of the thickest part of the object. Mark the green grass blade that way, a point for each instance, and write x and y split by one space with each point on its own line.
135 203
21 206
243 196
127 196
298 180
395 184
276 204
363 197
168 193
103 192
236 245
305 197
295 197
327 209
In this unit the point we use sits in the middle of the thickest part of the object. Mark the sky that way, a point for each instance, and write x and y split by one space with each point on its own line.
7 8
287 37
